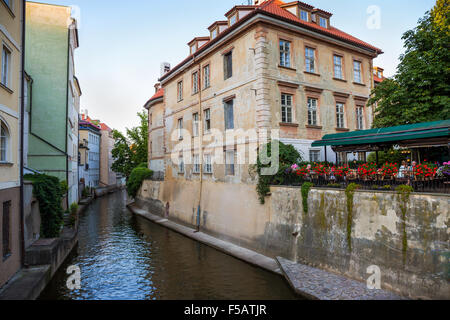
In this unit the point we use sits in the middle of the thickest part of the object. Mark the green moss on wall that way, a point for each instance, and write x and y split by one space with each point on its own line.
404 193
350 193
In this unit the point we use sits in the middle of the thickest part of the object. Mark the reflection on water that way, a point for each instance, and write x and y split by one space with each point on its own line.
123 257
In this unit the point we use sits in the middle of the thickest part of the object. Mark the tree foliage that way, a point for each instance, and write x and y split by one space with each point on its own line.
288 156
419 92
131 150
137 176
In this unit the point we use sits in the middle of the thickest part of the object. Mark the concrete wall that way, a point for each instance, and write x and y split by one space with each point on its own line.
319 238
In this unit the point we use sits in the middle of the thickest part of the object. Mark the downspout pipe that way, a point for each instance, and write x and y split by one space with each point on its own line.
22 127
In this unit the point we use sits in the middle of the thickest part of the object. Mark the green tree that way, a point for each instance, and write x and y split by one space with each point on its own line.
419 92
131 150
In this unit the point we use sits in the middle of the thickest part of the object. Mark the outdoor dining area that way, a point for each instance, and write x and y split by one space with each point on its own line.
422 159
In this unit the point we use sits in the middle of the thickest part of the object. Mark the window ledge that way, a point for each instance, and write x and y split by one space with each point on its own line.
312 73
286 124
195 93
359 84
342 129
314 127
6 164
338 79
5 87
287 68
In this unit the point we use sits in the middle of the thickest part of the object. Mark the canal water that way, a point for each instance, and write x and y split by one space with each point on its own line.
124 257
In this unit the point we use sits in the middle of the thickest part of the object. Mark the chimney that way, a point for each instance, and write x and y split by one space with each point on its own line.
165 67
157 86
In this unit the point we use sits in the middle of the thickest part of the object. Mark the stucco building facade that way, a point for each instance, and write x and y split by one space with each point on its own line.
11 73
51 39
90 141
272 67
107 175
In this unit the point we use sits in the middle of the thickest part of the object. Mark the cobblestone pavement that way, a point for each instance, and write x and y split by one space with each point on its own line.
322 285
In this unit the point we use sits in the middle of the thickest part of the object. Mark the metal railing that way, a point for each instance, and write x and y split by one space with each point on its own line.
435 185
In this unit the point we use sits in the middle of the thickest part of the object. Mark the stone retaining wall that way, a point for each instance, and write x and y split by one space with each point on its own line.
412 253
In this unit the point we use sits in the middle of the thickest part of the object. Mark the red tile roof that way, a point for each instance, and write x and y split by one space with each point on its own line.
105 127
272 7
158 94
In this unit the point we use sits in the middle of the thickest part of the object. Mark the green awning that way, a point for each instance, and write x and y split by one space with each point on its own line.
432 131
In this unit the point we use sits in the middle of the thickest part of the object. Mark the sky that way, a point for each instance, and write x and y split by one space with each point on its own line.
123 43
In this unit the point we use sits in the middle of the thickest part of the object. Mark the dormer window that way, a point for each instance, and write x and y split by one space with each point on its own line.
193 48
214 34
233 19
322 18
304 15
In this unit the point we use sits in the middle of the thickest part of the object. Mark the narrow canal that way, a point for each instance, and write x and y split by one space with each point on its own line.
124 257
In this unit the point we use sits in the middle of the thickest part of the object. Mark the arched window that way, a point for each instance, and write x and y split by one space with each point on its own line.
4 142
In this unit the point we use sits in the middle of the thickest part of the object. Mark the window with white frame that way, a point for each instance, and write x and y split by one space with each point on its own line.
206 76
4 142
314 155
340 115
214 34
195 82
195 125
208 164
357 71
285 53
233 19
207 120
304 15
180 90
310 59
312 112
338 67
286 108
359 118
6 66
196 168
180 129
323 22
230 163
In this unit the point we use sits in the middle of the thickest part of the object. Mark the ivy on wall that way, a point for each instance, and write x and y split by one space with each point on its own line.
306 188
47 191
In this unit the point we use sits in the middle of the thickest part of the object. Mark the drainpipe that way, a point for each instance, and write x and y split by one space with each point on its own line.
200 131
22 126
